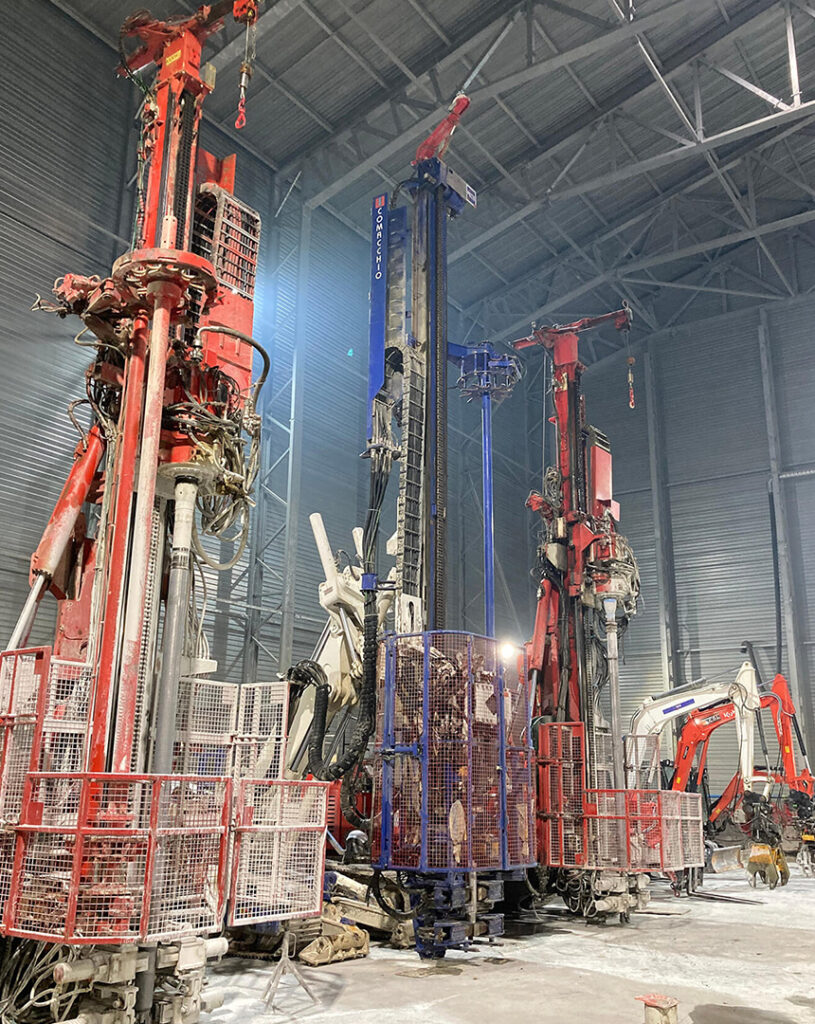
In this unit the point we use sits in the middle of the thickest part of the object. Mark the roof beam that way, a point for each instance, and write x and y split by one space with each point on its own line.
639 86
743 131
625 269
607 40
440 57
643 212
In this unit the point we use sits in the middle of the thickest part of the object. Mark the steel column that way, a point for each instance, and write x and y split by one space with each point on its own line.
295 444
672 667
790 599
175 624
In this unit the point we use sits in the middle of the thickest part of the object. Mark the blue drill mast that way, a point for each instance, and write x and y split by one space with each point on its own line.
453 806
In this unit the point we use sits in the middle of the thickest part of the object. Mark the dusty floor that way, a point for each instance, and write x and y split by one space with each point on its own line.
726 963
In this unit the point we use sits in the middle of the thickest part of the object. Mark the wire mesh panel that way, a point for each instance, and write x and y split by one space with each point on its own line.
561 768
610 829
260 744
452 786
642 769
691 830
23 687
111 859
279 851
206 718
8 839
187 883
643 830
66 716
80 861
520 796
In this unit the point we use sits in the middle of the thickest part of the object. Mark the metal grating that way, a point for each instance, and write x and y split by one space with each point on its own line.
227 233
452 784
279 851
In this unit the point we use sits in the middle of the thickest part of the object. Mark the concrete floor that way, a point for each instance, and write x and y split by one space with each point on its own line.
726 963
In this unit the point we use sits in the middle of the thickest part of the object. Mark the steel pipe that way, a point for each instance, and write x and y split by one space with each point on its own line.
166 295
175 621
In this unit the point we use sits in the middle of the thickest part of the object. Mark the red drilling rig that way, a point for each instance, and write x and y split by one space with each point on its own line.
123 834
596 840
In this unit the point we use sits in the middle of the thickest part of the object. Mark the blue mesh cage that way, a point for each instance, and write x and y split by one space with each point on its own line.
452 787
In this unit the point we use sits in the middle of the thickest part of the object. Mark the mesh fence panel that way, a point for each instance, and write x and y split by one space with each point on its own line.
452 772
206 718
22 692
607 829
109 859
260 747
66 716
279 851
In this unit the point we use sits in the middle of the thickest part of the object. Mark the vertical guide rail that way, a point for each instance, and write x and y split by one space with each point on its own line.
436 451
489 524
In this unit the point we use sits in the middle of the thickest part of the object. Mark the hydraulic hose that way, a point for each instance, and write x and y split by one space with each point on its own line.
309 673
376 889
348 804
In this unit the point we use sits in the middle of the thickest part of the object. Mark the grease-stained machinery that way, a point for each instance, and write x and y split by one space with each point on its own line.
142 803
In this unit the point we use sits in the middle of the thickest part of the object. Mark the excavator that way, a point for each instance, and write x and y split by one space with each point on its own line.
745 803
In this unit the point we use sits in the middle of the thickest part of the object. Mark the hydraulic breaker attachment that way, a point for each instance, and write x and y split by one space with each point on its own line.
769 864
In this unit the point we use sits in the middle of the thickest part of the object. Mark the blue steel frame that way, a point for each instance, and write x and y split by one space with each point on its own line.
419 750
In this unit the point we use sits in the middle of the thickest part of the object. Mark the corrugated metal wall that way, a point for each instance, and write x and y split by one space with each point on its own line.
717 469
62 168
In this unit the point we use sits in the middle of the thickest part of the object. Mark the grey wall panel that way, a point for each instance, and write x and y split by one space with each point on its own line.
606 392
792 338
60 192
335 368
712 400
800 494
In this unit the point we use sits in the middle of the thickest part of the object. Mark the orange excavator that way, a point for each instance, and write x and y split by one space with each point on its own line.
773 822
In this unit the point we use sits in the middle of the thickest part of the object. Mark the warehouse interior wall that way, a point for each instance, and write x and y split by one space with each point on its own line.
716 461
